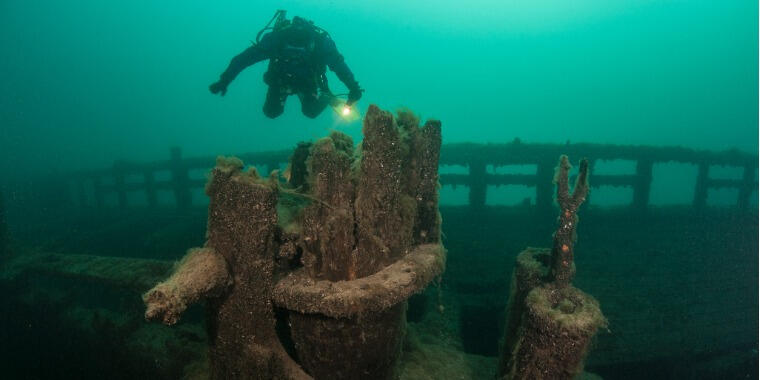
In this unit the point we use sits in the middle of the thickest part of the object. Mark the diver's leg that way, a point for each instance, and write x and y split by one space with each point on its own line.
312 103
275 102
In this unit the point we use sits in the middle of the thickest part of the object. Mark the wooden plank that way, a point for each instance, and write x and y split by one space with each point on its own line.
129 273
521 153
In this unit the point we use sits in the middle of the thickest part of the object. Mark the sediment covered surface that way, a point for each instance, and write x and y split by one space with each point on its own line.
344 299
650 319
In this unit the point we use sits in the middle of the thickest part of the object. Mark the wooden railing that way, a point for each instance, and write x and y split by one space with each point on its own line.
179 181
544 156
476 157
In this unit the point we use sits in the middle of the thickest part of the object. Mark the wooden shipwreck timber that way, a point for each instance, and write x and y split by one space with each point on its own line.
341 252
549 322
306 272
92 188
342 275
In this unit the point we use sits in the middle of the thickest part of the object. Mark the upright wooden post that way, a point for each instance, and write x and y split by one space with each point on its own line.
180 179
643 185
369 217
745 191
700 189
544 187
591 165
550 323
427 228
477 184
330 246
150 188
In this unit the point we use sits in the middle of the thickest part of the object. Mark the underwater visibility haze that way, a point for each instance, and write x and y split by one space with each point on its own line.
415 222
93 82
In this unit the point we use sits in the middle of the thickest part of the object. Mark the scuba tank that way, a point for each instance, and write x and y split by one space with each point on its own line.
279 21
294 64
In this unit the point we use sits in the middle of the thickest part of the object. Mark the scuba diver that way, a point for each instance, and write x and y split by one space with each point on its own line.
299 53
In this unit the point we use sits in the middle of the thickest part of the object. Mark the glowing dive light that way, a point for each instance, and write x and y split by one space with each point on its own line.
345 112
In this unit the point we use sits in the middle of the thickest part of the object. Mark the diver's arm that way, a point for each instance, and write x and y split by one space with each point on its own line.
256 53
338 65
247 58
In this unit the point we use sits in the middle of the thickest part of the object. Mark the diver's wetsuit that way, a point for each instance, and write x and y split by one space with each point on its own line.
298 57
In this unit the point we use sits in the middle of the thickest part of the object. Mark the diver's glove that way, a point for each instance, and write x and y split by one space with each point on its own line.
218 88
354 95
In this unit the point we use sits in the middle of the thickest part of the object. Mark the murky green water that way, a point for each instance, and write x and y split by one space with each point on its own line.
87 83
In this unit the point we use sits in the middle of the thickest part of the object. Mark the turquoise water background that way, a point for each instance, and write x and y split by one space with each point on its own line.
87 82
84 83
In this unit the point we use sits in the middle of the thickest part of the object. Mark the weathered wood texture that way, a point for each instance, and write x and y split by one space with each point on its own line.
134 275
242 222
201 274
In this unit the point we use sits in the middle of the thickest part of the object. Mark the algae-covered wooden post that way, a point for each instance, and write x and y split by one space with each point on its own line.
368 232
242 223
328 224
549 322
234 274
370 240
297 171
563 265
591 166
427 153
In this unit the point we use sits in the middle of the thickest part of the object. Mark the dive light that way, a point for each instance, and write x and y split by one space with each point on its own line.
345 111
